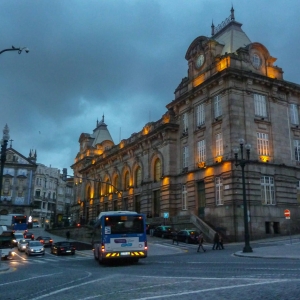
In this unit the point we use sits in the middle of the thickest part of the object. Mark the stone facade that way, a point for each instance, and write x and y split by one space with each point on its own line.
184 164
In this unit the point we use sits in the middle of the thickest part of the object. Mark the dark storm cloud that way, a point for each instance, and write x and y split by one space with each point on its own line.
120 58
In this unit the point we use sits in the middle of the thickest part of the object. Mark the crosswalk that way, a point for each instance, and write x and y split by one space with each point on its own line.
48 258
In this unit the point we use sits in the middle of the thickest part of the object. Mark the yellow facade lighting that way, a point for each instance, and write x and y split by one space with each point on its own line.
264 158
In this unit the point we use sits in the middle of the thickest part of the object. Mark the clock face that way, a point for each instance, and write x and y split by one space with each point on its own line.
199 61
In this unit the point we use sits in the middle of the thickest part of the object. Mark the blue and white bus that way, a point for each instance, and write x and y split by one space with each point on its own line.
120 235
14 221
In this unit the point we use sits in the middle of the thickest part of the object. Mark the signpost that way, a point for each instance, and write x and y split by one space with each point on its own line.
166 216
287 215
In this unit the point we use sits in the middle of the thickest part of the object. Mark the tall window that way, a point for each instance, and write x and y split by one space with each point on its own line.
297 150
185 157
217 106
184 197
262 143
256 61
107 187
201 149
185 123
267 190
157 170
219 191
126 180
200 114
294 114
137 203
116 183
138 176
260 107
219 144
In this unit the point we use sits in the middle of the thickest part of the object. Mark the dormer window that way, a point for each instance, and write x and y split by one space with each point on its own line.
256 61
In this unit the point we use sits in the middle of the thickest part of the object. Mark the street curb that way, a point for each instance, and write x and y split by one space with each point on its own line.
265 256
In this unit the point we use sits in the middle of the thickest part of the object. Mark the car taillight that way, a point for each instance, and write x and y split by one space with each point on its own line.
42 241
102 247
51 241
146 247
62 248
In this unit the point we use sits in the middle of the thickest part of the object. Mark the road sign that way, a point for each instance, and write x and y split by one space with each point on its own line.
287 213
166 215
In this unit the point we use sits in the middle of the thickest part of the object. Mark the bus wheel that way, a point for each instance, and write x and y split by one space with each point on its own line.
95 257
100 259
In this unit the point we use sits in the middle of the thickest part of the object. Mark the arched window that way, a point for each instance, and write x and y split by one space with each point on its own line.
88 193
107 187
116 183
126 180
138 176
157 170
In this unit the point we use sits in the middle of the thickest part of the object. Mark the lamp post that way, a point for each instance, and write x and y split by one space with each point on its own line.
242 163
4 142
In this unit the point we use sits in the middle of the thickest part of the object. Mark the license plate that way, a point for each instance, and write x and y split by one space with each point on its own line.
125 253
68 251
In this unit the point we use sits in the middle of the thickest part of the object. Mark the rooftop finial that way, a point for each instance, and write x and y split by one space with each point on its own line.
232 13
97 123
103 118
212 28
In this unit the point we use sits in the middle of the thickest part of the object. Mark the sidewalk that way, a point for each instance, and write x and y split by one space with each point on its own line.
287 249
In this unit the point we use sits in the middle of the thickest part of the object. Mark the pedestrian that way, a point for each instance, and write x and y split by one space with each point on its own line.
221 247
200 242
175 237
68 235
216 241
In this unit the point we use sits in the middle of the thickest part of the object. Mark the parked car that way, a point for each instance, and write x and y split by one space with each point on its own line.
22 244
34 248
188 236
28 235
65 247
164 232
35 224
150 227
45 240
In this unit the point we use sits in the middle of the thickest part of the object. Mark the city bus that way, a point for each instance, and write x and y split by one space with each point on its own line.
119 235
14 221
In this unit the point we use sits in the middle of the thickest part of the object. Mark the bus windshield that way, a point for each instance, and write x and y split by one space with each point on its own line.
123 224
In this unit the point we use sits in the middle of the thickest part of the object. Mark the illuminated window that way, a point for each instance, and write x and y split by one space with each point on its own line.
201 149
297 150
185 157
219 144
217 106
138 176
267 190
262 143
126 180
107 187
184 197
116 183
185 122
157 170
219 191
200 114
88 193
260 106
294 114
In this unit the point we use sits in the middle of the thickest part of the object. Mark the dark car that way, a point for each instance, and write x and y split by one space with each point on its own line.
188 236
45 240
164 232
29 235
150 227
63 248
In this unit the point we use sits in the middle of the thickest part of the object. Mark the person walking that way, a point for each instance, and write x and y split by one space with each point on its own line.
216 241
175 237
200 242
221 247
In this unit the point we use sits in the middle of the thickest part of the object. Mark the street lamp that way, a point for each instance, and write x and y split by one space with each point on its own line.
16 49
242 162
4 142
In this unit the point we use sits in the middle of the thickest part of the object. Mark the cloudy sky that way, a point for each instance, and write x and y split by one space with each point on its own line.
120 58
